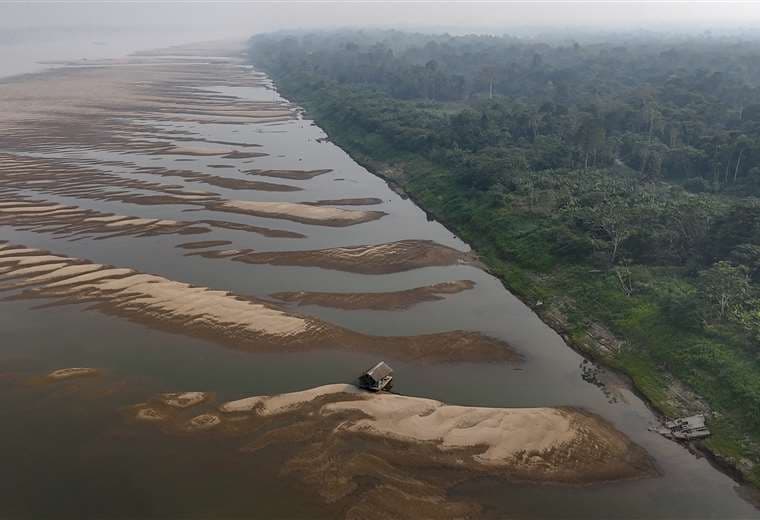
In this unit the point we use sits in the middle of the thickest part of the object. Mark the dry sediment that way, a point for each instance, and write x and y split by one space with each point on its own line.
226 153
81 179
229 183
122 105
43 216
298 175
184 399
243 323
248 228
398 457
366 201
392 257
204 244
303 213
379 301
71 373
46 217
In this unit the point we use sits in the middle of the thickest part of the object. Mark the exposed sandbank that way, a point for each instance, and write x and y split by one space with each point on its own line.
379 301
299 175
414 451
392 257
303 213
86 181
229 183
183 399
366 201
204 244
555 444
41 216
248 228
71 373
243 323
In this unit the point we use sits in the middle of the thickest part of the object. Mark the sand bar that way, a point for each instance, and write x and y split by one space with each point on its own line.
303 213
381 301
554 444
392 257
183 399
70 373
243 323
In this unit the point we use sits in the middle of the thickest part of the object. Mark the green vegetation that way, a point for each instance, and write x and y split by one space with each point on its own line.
610 185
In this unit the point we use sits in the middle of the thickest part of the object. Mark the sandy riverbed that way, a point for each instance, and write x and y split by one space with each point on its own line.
244 323
416 449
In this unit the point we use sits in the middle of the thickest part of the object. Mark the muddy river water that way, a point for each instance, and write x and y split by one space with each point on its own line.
66 450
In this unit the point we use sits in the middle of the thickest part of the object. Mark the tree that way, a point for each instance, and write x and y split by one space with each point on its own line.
725 288
609 214
590 138
748 255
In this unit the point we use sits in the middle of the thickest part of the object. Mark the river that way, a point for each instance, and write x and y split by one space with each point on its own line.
68 456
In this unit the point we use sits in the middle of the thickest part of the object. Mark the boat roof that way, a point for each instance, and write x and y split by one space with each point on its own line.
690 423
379 371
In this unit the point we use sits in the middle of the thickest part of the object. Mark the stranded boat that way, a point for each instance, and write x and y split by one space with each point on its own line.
685 428
377 378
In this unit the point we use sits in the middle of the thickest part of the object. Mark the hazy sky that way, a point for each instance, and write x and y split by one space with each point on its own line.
242 18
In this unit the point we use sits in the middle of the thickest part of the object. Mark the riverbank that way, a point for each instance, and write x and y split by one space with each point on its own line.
629 333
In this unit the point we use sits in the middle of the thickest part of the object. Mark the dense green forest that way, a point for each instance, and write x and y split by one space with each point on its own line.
611 184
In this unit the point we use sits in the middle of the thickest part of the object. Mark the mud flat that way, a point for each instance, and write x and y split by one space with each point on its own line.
338 439
195 151
242 323
229 183
42 216
72 373
303 213
67 178
198 151
248 228
379 301
204 244
366 201
298 175
149 414
392 257
184 399
111 104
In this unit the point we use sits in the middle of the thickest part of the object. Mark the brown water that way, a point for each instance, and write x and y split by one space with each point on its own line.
68 454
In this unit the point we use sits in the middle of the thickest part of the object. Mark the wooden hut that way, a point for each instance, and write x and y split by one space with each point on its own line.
377 378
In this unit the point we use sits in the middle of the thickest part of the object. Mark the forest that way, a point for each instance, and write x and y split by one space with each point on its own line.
611 182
